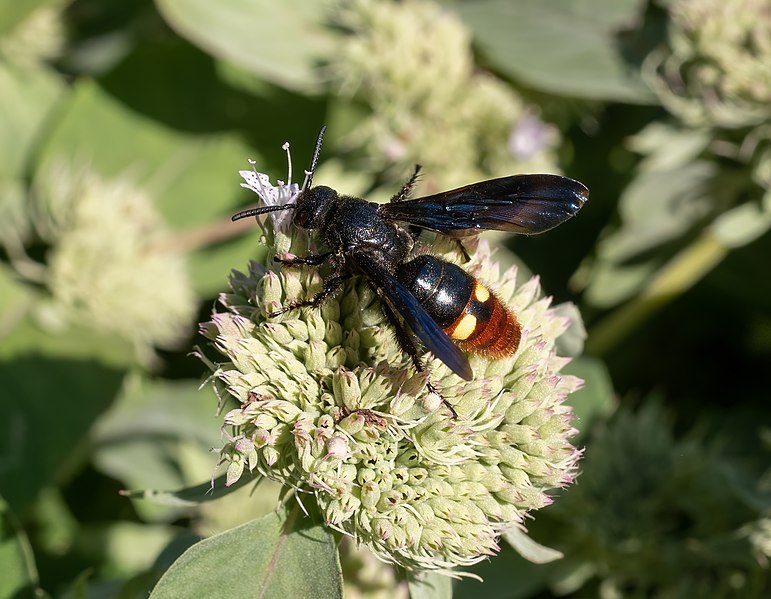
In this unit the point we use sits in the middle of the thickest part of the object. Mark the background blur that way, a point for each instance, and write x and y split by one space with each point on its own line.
123 125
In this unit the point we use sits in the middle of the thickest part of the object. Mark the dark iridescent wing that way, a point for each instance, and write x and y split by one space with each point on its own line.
417 319
526 204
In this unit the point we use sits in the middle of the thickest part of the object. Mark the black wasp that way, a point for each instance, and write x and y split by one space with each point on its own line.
423 296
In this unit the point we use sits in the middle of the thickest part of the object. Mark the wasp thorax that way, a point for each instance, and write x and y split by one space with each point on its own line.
312 207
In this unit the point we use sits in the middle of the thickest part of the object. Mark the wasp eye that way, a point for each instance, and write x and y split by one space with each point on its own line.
302 217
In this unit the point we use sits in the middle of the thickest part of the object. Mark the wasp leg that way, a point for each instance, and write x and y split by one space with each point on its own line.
331 285
406 189
404 193
311 260
407 343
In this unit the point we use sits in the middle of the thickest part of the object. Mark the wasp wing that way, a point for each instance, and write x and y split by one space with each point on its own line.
415 316
526 204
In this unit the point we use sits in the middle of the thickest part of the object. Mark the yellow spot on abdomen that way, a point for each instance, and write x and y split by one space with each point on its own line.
464 328
481 293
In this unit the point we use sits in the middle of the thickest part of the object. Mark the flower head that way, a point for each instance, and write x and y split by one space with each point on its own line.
328 403
412 63
38 37
719 69
108 267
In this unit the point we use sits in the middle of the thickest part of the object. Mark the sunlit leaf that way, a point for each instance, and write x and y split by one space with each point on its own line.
741 225
562 46
274 556
530 549
661 205
429 585
278 41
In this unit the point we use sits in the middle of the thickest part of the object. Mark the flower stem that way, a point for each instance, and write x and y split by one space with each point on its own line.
202 237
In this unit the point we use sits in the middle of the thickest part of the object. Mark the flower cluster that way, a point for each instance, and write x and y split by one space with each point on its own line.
719 70
40 36
412 64
106 251
327 403
647 538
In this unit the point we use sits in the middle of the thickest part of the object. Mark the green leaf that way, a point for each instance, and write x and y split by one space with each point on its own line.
661 205
209 266
741 225
26 337
596 399
125 547
657 207
28 98
192 496
278 555
430 585
613 283
531 550
17 562
566 47
281 42
47 408
194 178
666 147
14 301
164 408
158 435
571 342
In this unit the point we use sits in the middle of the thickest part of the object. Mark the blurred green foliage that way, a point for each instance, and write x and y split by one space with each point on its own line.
660 107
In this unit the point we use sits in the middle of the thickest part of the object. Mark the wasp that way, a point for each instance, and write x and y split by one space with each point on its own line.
423 297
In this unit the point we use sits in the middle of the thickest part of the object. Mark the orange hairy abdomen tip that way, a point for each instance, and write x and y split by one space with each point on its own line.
486 326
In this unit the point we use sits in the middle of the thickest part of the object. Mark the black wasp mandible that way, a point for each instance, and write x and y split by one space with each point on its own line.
424 296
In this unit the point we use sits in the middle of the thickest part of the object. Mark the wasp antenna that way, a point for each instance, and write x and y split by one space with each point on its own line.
314 161
258 211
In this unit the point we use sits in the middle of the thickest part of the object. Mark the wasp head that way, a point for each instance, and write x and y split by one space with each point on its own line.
312 207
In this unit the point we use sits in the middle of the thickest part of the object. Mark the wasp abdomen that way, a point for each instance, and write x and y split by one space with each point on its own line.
471 315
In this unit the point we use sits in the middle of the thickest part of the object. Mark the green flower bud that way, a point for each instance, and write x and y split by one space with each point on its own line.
353 423
346 388
336 357
370 495
277 333
271 288
315 356
235 470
